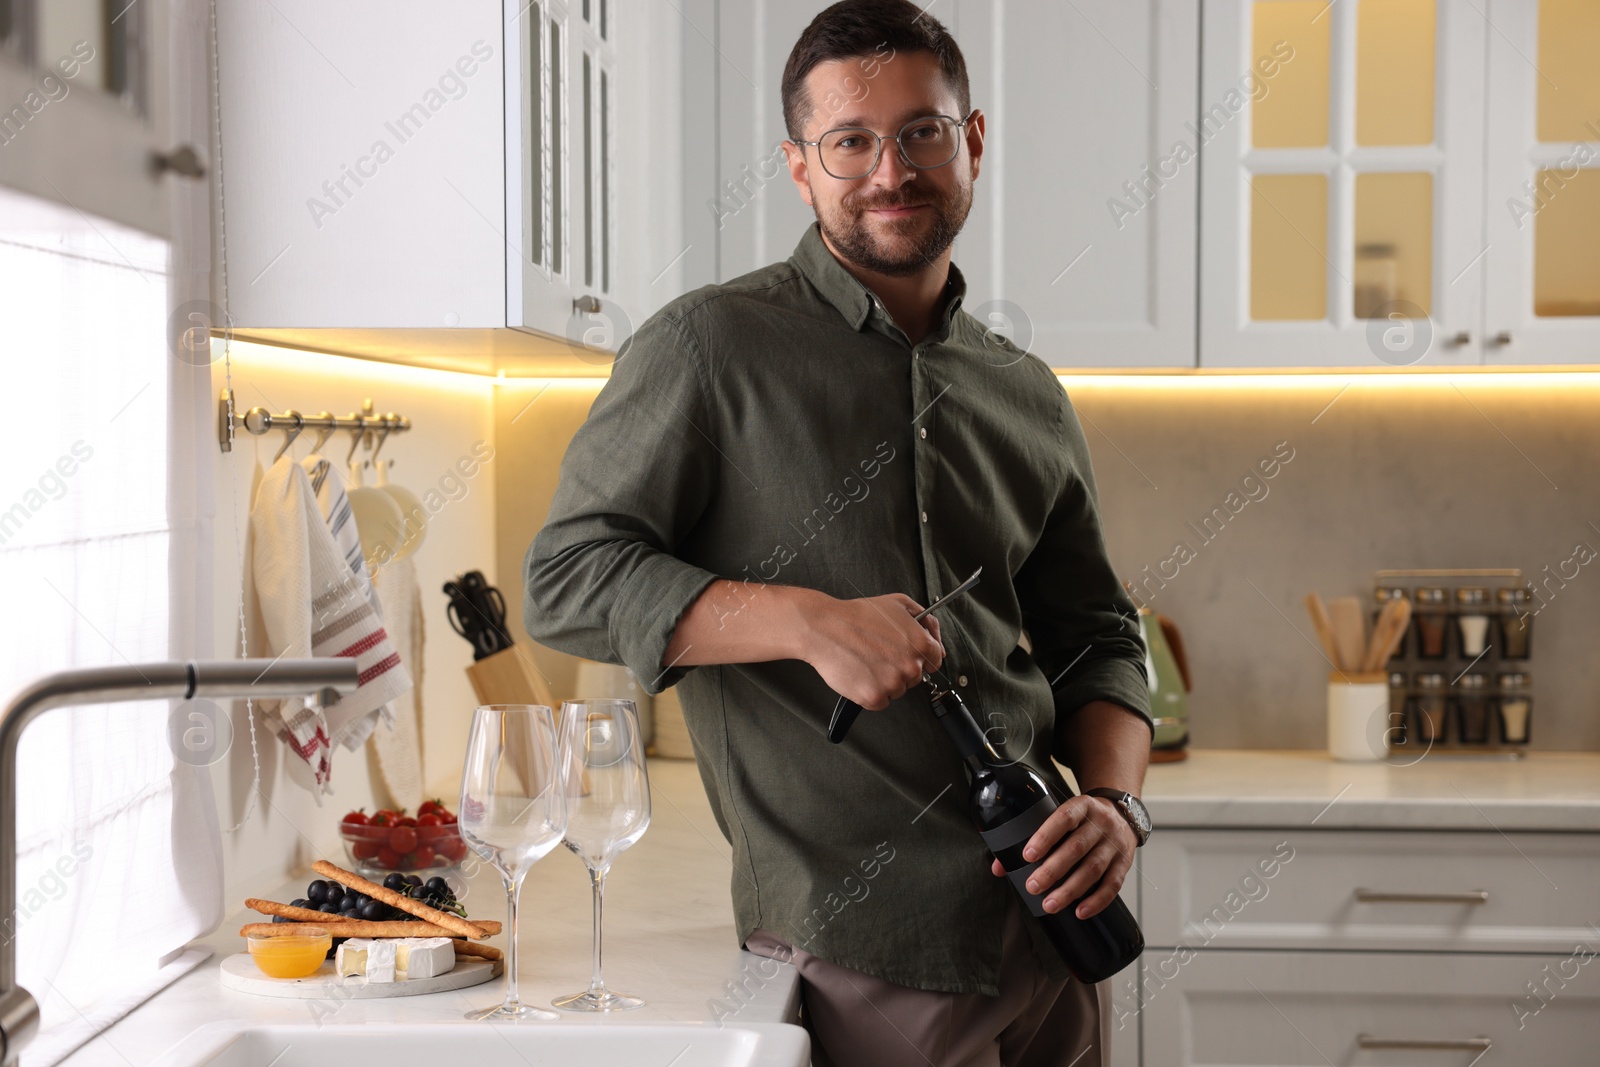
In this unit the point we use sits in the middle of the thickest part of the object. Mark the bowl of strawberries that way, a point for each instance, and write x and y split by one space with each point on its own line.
390 840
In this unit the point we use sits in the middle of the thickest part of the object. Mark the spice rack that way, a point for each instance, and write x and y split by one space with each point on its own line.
1460 680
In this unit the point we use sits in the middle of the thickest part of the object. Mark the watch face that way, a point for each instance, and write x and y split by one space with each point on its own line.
1136 811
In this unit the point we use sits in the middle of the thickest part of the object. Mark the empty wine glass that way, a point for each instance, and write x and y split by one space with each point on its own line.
513 813
608 809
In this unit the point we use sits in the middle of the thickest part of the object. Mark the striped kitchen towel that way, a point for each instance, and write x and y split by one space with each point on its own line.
308 601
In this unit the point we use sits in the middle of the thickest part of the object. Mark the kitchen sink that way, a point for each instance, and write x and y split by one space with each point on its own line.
235 1044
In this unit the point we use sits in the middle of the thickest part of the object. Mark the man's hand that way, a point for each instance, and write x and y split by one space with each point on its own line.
870 650
1088 837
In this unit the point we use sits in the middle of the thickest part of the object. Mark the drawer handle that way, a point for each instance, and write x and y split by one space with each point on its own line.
1460 1044
1373 896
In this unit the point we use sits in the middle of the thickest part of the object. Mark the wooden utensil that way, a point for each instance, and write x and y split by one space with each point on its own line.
1349 631
1387 633
1324 627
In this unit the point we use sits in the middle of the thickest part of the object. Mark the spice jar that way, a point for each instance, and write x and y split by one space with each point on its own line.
1516 622
1430 617
1427 707
1472 709
1472 620
1516 707
1382 595
1397 709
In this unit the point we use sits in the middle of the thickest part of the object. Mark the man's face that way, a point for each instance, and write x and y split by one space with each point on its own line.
898 219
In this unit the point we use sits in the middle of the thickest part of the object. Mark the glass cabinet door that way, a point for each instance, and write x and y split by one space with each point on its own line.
84 116
1543 197
1341 190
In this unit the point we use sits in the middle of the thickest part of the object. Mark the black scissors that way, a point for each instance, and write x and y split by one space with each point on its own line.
846 710
477 612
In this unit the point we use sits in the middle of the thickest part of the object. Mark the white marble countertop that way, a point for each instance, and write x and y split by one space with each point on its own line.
669 939
1250 788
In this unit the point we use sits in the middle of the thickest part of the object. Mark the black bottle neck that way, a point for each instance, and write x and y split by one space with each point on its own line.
964 731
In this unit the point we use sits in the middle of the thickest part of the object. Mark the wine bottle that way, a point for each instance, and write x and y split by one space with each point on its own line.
1009 801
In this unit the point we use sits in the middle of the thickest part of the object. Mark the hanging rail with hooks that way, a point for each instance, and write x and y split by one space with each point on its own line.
363 425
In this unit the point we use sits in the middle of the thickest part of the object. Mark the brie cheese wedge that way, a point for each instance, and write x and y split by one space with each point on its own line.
424 957
371 958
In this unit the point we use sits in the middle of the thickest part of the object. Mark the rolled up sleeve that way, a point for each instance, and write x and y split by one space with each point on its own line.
601 579
1082 624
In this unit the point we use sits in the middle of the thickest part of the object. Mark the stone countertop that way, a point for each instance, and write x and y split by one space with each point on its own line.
1213 789
669 938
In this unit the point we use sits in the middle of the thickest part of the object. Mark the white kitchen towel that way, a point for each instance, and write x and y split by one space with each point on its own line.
308 602
335 505
399 748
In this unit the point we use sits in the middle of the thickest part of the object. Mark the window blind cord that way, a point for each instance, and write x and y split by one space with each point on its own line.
227 367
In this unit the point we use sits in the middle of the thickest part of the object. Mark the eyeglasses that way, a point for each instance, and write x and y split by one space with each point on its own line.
851 152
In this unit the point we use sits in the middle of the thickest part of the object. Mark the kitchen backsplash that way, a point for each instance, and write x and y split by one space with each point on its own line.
1226 500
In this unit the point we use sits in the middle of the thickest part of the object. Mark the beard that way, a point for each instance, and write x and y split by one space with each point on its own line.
913 242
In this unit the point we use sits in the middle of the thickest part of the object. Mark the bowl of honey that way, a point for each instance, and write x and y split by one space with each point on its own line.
297 952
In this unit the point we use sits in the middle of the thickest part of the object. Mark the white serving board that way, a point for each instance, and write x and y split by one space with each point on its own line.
240 972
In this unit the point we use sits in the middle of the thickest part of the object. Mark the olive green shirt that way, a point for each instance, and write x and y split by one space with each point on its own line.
781 428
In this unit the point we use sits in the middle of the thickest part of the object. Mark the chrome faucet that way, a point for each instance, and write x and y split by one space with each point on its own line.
19 1013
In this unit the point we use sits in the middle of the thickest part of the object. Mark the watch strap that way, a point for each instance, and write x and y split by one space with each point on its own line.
1120 798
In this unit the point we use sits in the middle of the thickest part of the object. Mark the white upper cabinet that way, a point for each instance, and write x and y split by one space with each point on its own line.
1081 242
438 183
1543 202
84 108
561 114
1342 183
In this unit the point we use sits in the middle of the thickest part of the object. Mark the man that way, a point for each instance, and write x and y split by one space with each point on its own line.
781 470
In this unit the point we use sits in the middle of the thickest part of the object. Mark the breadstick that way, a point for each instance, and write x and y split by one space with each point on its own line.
453 923
358 928
312 915
472 948
288 911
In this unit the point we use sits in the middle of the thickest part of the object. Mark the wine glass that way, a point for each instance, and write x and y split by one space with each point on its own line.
513 813
608 809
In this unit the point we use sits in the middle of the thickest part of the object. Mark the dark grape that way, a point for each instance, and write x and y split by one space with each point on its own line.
358 899
334 894
299 902
396 881
331 909
438 885
413 879
280 918
317 891
374 910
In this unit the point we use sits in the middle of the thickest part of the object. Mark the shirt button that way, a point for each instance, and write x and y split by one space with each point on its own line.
924 516
961 680
924 433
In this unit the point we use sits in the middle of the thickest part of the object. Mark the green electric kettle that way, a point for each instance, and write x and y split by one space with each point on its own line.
1166 668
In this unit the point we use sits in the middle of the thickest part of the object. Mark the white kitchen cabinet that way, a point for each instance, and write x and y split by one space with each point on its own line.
1285 946
1081 242
1058 254
1224 1009
84 108
1542 276
1419 185
439 183
1342 192
1358 890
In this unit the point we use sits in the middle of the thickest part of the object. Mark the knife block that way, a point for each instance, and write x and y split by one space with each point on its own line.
510 677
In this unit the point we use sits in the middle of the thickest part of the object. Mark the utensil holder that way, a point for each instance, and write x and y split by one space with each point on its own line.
1358 716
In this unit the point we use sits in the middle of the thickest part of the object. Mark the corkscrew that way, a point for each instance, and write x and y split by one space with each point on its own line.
846 710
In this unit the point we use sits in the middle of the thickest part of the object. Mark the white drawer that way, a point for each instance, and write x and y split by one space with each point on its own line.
1399 890
1230 1009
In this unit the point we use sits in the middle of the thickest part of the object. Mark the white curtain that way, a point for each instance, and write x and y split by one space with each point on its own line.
118 864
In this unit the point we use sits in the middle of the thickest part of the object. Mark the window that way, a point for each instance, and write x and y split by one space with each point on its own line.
104 909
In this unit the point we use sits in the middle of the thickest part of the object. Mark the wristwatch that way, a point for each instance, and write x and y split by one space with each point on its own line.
1132 809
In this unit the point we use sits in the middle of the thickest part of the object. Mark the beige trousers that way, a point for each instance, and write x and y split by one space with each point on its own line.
856 1020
